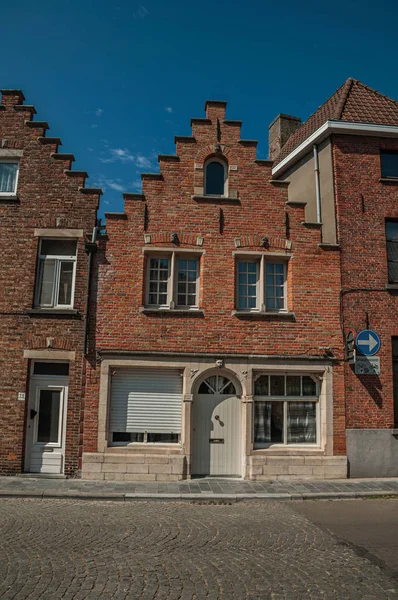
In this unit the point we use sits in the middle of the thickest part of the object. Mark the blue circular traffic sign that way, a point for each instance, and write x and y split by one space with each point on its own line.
368 342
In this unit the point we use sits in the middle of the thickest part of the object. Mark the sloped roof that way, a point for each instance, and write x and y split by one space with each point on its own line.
353 101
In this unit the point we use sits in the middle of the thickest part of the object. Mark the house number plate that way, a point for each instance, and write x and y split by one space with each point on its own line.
216 440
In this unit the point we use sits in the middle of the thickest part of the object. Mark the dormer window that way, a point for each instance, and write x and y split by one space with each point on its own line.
216 177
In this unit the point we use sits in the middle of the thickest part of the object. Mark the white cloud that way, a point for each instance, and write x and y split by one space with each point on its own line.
111 184
168 109
124 156
99 112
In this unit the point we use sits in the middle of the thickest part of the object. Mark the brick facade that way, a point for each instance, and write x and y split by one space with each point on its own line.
364 203
173 202
49 195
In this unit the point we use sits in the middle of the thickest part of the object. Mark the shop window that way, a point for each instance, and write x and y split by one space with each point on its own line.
56 273
173 281
389 164
216 177
261 284
8 177
392 250
285 410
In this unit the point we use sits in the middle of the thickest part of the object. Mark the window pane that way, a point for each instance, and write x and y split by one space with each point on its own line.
46 282
65 283
247 285
182 264
187 277
215 175
127 437
47 368
301 423
58 247
262 422
261 386
268 422
277 385
389 164
158 280
8 177
392 230
165 438
49 408
293 385
309 386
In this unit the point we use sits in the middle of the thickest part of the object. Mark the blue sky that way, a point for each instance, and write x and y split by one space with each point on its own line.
117 80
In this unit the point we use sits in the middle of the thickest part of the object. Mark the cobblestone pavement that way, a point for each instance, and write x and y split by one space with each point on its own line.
36 486
53 549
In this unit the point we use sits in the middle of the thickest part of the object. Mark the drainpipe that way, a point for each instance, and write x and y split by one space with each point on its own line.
317 185
91 247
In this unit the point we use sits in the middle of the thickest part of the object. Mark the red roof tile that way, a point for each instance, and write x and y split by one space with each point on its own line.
353 101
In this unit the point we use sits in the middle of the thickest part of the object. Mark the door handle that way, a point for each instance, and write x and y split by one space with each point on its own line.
33 413
217 418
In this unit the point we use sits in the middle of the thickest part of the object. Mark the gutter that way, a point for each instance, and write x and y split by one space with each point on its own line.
91 247
317 185
329 127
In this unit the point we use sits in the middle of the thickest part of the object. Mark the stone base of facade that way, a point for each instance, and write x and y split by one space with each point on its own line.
129 466
372 452
265 468
133 466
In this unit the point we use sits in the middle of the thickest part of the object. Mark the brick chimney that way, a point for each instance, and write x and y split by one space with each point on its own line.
279 132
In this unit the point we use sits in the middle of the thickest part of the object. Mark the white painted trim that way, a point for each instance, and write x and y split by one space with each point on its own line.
59 233
50 354
346 127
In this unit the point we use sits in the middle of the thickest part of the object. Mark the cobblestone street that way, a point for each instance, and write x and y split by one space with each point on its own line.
52 549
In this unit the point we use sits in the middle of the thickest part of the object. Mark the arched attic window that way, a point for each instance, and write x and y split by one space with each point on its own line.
216 177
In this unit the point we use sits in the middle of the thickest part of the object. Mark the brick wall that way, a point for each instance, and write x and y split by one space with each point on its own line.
47 197
169 205
363 204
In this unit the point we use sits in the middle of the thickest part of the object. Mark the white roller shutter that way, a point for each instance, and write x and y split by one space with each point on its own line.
146 400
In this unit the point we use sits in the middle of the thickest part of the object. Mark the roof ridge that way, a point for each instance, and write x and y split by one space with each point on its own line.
375 91
347 86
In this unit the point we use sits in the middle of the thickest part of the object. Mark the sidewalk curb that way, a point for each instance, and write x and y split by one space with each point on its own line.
200 498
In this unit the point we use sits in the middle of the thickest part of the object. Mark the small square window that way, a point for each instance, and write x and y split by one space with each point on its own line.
389 164
56 273
8 177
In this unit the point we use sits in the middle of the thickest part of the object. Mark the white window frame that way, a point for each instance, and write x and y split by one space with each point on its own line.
261 260
224 163
285 400
58 261
10 161
172 281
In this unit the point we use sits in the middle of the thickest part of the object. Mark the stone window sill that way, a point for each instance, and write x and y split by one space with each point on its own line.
9 198
290 450
171 311
210 198
395 431
241 314
391 180
392 286
52 311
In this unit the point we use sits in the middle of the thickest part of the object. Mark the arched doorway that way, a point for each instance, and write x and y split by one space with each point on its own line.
216 428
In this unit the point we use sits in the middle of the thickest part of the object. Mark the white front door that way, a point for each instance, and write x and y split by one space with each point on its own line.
45 433
216 429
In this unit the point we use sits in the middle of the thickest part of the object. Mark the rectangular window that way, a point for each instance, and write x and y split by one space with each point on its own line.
56 273
389 164
8 177
173 281
392 250
261 285
285 410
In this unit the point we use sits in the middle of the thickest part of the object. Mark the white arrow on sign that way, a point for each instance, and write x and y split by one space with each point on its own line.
371 342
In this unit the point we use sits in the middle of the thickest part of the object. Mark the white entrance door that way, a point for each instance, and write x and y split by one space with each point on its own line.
45 434
216 429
